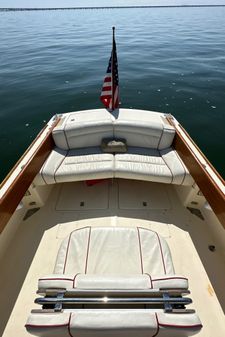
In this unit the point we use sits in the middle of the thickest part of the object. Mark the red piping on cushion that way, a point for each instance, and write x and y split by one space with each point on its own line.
55 279
89 237
160 246
169 278
70 334
139 240
157 322
52 326
67 249
74 280
64 267
45 326
150 280
181 326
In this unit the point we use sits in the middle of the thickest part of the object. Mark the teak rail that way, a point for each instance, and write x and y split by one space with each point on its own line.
205 181
16 190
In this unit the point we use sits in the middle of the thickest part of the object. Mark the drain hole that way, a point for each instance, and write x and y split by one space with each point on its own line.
144 203
212 248
82 204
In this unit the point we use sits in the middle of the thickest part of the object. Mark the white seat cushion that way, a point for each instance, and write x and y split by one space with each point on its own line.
180 174
115 282
105 262
85 164
76 165
163 166
142 164
152 165
102 251
50 166
113 323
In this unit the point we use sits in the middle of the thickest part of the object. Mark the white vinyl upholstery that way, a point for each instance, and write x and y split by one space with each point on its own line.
163 166
85 164
91 163
105 262
87 128
102 251
142 164
113 258
180 174
139 133
78 155
50 167
113 323
76 165
83 129
115 282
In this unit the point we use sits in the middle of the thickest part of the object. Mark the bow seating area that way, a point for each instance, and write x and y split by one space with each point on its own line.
113 281
78 154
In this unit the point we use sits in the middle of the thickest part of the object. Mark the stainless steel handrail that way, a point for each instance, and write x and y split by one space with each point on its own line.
113 300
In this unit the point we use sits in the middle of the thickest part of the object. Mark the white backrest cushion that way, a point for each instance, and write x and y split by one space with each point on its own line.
114 251
88 134
138 133
167 137
143 128
83 129
139 127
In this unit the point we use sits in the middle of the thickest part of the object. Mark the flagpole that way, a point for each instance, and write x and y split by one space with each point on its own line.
112 67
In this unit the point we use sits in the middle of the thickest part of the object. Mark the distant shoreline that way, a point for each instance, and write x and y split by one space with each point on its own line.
101 7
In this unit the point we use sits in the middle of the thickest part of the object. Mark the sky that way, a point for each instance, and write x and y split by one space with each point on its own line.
84 3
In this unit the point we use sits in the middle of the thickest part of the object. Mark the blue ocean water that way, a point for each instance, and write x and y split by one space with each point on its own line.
170 60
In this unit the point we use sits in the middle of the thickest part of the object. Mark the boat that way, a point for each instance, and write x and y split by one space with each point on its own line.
112 224
116 220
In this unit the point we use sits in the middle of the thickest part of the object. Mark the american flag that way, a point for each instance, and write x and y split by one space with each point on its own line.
110 88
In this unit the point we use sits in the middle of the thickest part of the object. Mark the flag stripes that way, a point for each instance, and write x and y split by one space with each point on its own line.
110 88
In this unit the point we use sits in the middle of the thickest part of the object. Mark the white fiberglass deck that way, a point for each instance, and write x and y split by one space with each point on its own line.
33 251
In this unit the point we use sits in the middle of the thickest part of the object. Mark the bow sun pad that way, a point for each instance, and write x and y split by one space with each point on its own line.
127 265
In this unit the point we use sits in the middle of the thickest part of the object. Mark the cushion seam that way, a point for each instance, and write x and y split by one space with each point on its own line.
185 173
140 250
60 165
169 169
160 246
160 137
87 253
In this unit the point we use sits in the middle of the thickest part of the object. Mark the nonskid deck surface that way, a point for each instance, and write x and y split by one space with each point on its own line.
33 252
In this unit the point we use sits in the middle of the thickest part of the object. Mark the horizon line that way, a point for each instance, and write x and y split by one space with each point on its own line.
102 7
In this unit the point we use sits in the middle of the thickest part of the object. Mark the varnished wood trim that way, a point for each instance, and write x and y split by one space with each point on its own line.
23 155
19 186
202 154
213 194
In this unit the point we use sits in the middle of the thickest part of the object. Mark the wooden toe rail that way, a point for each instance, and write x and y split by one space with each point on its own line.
205 175
15 185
